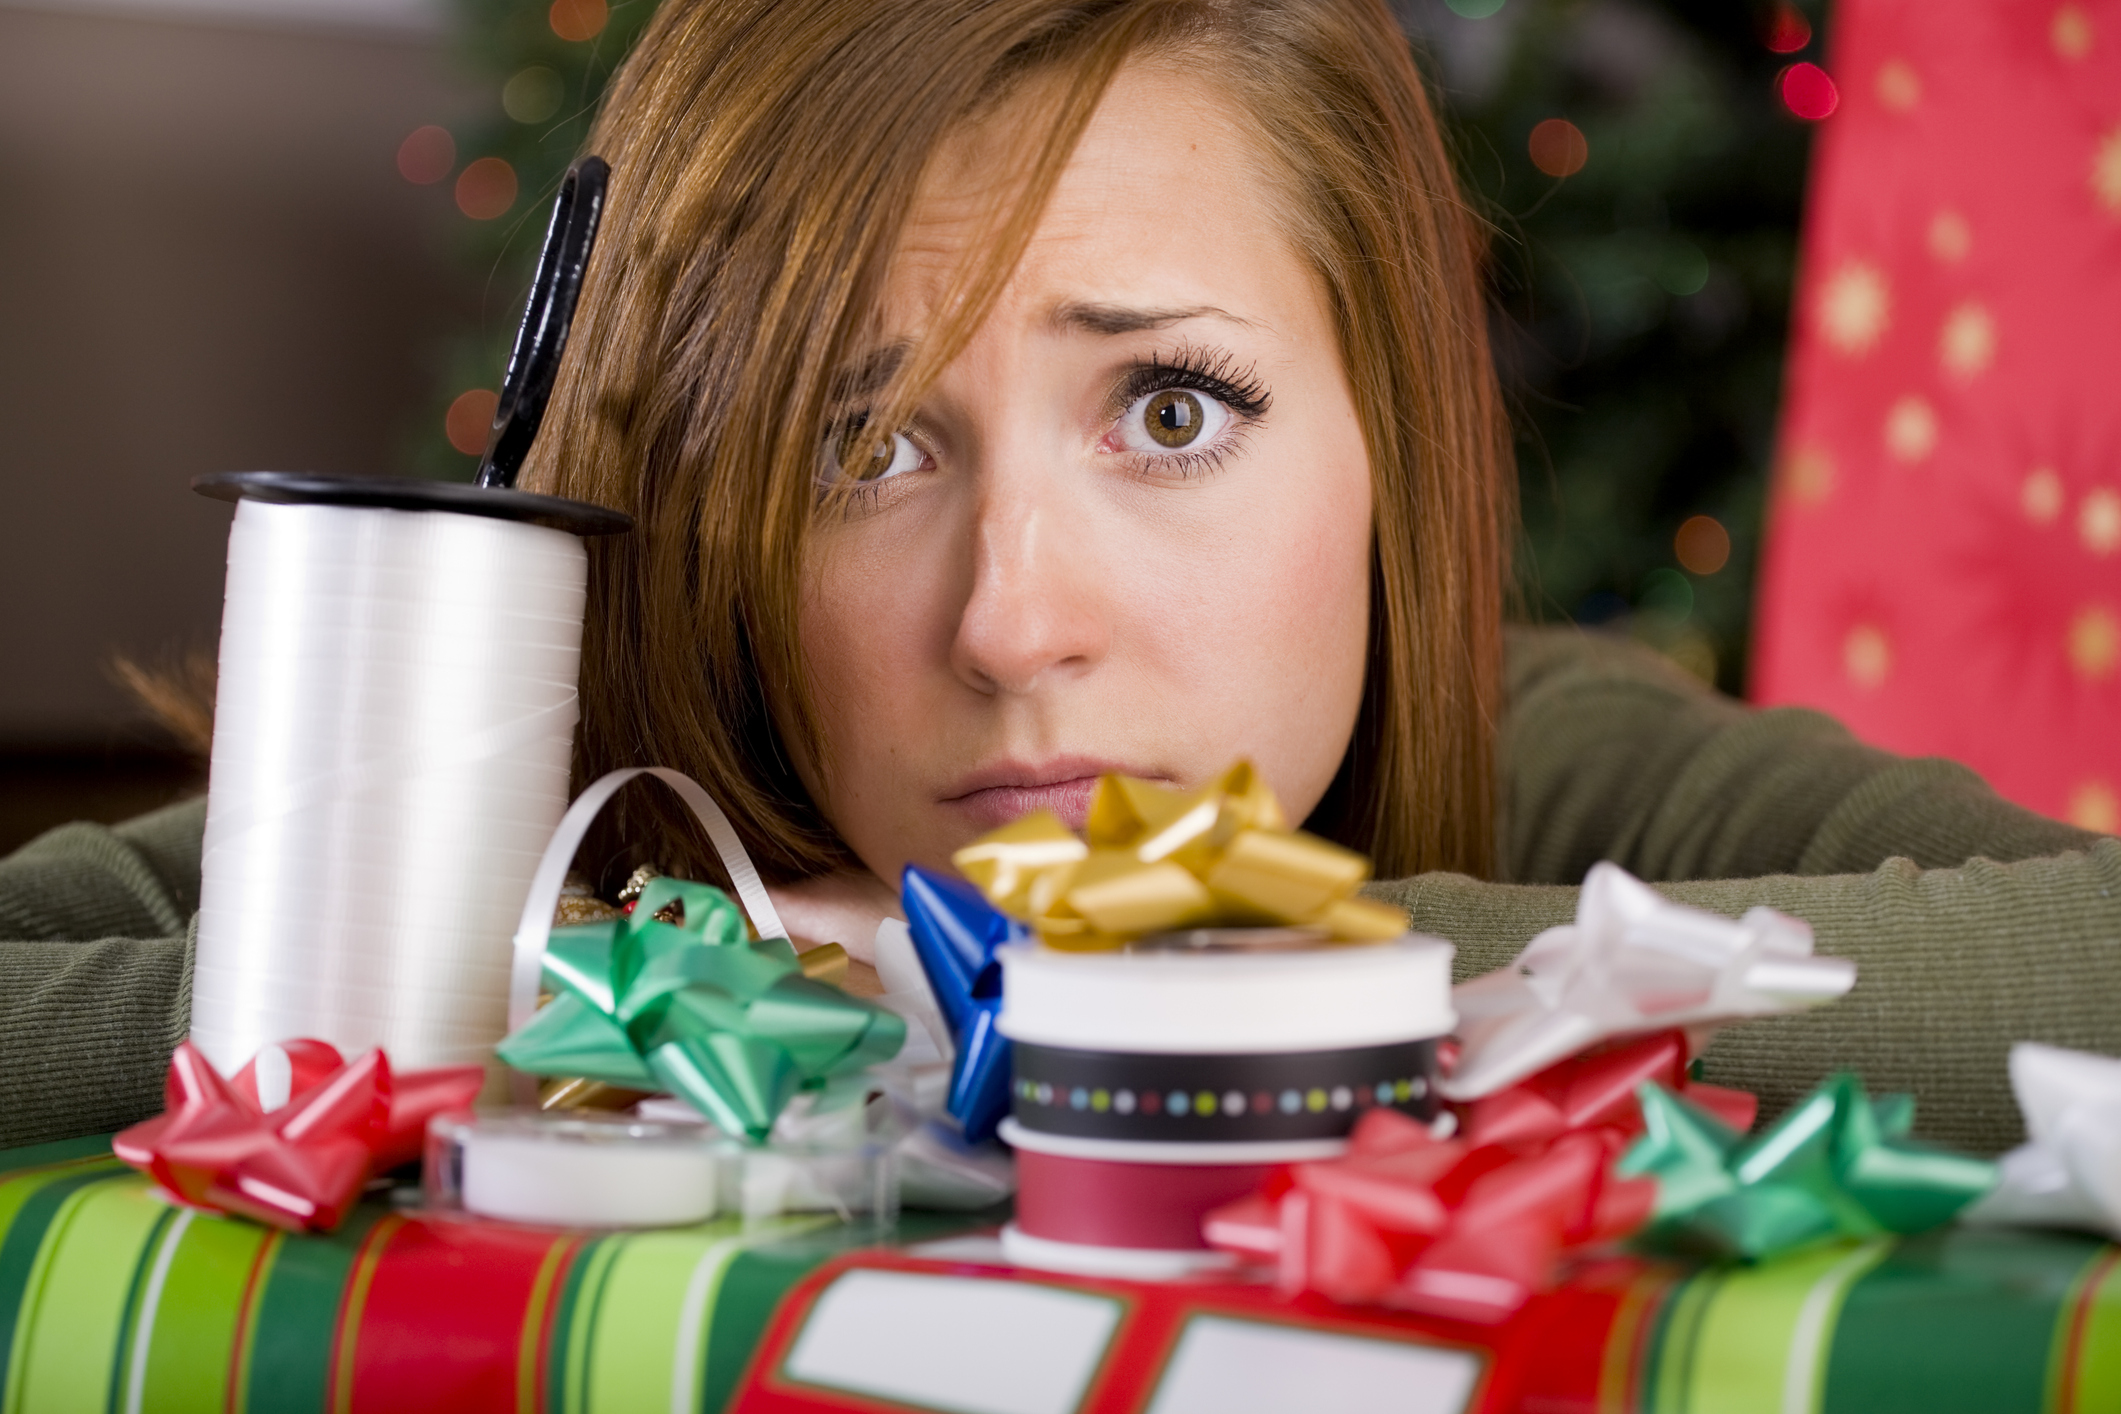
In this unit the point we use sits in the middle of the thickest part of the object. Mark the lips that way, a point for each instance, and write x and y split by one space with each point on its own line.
995 795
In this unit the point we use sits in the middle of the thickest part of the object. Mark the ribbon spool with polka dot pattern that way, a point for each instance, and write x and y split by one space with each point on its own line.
1150 1086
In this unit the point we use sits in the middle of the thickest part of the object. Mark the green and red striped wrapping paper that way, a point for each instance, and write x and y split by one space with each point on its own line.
112 1300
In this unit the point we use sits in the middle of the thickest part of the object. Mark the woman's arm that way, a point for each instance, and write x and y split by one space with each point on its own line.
1952 966
1973 923
1609 752
95 972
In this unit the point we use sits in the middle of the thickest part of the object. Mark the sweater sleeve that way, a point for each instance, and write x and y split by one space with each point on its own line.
1952 966
1609 752
96 937
1973 923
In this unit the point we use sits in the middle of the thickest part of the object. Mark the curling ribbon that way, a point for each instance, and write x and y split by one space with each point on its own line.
955 935
299 1164
1154 860
534 929
395 714
1632 961
1838 1164
2068 1172
673 996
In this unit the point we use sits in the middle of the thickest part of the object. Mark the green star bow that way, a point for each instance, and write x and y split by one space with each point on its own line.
674 997
1839 1164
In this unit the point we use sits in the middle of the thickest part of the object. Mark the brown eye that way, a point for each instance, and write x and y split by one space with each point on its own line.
1173 418
887 456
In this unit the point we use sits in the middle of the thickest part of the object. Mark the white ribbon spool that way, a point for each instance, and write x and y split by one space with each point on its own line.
392 739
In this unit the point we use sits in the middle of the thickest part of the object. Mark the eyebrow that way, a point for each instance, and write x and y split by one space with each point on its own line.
875 369
868 376
1124 319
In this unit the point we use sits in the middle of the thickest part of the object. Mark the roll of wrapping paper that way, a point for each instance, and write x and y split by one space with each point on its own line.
391 750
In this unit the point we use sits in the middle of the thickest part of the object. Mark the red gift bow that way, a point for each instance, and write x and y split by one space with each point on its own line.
1469 1228
1597 1090
300 1166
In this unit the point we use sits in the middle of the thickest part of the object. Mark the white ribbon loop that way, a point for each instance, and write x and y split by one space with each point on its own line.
535 929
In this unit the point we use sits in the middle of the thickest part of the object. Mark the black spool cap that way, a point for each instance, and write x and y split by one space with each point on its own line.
406 494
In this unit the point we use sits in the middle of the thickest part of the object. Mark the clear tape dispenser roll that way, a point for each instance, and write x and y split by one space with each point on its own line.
393 734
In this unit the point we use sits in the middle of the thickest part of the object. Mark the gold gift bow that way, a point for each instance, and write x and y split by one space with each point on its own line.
1152 859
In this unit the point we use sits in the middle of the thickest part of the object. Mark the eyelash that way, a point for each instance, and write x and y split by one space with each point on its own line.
1210 371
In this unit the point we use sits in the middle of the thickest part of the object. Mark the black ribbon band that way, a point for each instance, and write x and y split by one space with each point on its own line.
1222 1099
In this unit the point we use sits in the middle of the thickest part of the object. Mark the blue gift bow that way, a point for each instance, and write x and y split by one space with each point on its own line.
955 935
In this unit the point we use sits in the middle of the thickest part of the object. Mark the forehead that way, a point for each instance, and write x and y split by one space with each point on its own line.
1167 200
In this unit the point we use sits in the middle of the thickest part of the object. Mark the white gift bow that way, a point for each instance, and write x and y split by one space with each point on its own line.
2068 1173
1632 961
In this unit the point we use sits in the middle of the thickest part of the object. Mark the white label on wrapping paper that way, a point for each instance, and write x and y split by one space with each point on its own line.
1224 1366
969 1345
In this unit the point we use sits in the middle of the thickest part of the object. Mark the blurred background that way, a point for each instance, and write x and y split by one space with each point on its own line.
296 234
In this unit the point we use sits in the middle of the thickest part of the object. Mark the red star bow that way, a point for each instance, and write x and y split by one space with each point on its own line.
299 1165
1470 1228
1596 1090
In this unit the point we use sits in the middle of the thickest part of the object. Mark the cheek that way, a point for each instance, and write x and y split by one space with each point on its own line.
862 630
1271 617
1309 588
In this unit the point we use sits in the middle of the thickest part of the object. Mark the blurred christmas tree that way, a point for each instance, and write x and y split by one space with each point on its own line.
1643 175
544 63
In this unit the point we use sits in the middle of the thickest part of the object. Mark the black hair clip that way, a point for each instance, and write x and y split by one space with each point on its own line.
535 360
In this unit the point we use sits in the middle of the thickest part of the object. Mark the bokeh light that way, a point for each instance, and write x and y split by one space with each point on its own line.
1692 651
578 20
533 95
1787 30
1966 345
1558 148
1684 269
1951 238
1808 474
2071 32
470 418
2095 643
2040 497
2094 806
486 189
1867 656
1911 429
1702 545
2106 172
1808 92
427 155
1667 594
1899 86
2099 521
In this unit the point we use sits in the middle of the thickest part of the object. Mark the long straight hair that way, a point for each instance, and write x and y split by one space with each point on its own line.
766 155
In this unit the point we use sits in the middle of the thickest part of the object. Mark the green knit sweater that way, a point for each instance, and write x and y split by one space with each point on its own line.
1973 923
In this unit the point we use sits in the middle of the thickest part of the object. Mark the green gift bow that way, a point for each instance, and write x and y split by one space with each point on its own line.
1839 1164
674 997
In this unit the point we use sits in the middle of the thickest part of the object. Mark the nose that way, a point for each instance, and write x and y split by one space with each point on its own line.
1037 610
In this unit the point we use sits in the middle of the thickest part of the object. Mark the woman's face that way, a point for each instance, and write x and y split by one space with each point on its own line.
1128 529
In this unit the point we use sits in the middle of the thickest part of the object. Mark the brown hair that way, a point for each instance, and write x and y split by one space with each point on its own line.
765 156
